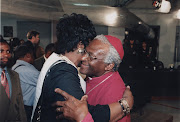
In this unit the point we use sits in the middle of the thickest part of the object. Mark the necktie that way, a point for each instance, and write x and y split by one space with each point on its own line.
4 83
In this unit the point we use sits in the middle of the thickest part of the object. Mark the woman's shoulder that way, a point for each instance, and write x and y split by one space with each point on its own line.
64 68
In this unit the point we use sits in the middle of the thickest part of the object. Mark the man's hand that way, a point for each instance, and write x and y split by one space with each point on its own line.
72 108
128 97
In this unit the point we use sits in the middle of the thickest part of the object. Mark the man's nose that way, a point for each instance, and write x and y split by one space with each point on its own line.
5 54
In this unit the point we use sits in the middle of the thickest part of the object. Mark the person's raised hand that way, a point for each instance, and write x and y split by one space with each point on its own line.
72 108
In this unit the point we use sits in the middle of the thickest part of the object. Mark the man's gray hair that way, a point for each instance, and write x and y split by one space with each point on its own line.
112 56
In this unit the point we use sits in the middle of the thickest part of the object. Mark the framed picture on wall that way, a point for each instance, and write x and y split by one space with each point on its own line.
177 45
8 31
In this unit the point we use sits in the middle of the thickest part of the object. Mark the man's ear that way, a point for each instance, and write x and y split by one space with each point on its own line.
109 67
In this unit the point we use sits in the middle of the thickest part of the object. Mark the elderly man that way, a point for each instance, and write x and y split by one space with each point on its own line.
104 84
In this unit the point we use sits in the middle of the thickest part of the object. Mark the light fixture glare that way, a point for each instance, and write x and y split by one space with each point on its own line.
178 14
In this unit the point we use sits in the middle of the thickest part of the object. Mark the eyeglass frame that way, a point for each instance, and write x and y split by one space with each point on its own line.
90 57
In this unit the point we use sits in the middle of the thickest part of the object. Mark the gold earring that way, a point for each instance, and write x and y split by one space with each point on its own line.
81 50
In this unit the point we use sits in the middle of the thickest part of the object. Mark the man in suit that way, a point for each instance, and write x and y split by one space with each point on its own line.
11 100
38 63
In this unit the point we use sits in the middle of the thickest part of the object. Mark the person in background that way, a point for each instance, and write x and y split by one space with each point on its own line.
14 43
22 41
131 54
100 64
28 76
39 50
33 40
11 99
144 55
38 63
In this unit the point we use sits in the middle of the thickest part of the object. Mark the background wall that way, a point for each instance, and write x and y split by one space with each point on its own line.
9 21
44 28
167 24
22 26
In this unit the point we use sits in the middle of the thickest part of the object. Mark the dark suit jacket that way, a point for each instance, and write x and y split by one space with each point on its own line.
12 110
38 63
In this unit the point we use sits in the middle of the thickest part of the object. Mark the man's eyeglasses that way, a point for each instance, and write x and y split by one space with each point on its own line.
90 57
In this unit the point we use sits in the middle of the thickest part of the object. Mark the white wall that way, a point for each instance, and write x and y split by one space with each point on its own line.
9 21
117 32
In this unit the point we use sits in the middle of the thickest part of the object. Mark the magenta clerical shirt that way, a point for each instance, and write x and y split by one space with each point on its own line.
106 89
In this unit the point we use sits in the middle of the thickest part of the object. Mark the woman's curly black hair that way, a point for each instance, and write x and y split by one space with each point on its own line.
72 29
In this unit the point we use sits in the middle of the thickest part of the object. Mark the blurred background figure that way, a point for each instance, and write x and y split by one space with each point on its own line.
14 43
130 54
38 63
28 76
39 50
33 41
22 41
144 55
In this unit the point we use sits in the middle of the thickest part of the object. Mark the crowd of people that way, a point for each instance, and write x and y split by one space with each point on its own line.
139 55
32 76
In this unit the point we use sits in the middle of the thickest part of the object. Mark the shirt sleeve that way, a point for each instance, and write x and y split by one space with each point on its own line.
100 113
88 118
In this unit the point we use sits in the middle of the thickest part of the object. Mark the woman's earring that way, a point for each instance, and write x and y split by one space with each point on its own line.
81 50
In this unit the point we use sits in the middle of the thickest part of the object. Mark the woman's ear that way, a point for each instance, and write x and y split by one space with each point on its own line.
109 67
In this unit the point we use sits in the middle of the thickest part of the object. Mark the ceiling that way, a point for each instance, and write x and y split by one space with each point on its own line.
101 12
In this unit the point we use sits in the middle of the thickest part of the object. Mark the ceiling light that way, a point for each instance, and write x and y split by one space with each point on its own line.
111 18
165 7
126 32
178 14
78 4
139 22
